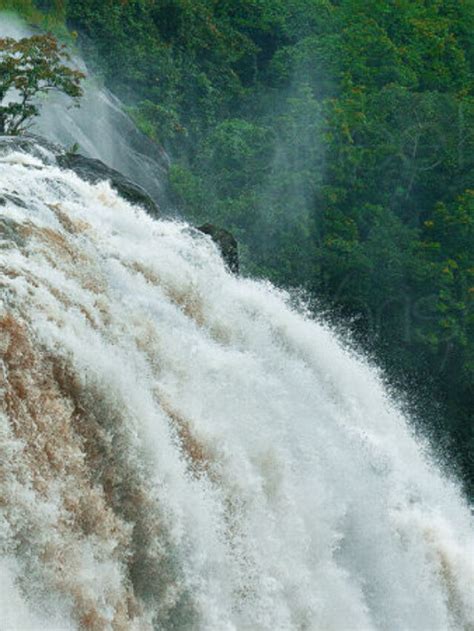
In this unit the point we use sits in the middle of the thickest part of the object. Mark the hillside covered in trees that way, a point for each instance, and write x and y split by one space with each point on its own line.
335 138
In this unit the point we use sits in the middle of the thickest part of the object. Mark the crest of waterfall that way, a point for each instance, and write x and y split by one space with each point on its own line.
100 127
180 449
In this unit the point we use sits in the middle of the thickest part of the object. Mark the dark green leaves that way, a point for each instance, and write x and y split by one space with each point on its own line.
29 67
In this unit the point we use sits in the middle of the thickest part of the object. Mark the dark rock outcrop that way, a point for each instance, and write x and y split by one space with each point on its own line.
94 171
226 242
88 169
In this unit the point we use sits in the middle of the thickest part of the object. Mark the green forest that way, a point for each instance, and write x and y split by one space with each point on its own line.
335 139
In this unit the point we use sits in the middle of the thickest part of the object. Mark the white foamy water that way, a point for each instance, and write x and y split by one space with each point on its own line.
180 449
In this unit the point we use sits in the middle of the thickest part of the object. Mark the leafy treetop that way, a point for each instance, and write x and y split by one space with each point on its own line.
29 67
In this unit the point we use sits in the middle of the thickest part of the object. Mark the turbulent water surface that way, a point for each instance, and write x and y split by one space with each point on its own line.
179 449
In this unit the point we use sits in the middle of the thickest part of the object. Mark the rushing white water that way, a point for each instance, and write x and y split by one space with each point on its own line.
179 449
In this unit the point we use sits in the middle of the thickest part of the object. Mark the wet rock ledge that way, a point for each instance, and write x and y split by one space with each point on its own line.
88 169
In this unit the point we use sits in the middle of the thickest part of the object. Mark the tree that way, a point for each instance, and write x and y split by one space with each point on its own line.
29 67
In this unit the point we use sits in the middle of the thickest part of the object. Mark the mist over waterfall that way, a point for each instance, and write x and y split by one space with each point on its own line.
180 449
99 128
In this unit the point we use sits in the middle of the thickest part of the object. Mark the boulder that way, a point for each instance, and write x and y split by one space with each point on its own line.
93 171
226 242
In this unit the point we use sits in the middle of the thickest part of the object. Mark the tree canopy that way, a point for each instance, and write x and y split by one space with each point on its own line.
28 68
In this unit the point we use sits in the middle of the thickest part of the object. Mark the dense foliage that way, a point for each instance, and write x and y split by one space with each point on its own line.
335 139
29 68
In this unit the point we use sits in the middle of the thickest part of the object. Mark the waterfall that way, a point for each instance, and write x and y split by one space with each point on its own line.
182 449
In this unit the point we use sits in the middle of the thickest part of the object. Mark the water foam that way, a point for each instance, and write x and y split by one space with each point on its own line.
180 449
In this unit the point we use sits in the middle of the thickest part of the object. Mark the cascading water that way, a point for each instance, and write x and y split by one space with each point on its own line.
180 449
